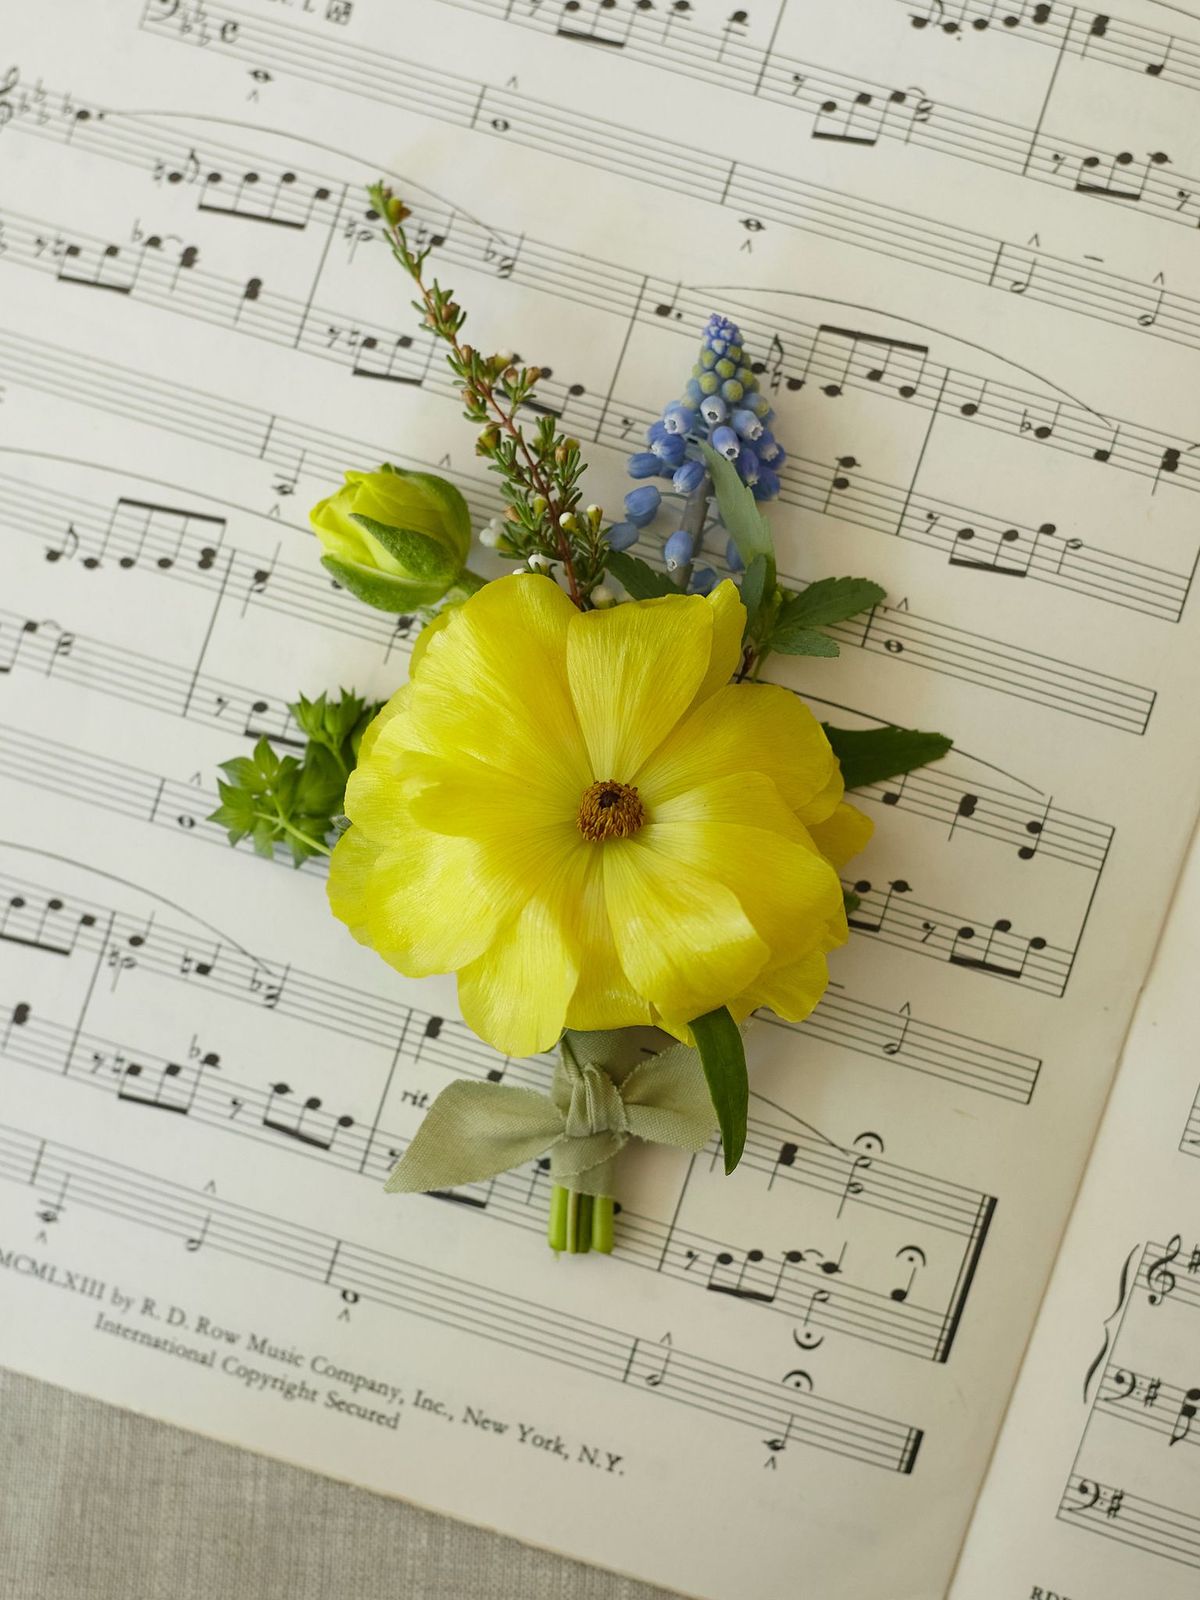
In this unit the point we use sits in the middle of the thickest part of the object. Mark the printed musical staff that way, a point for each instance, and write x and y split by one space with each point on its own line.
417 1291
971 539
1032 829
1146 1401
1143 1415
766 196
797 1286
636 299
841 1019
1131 1519
856 112
890 632
1095 36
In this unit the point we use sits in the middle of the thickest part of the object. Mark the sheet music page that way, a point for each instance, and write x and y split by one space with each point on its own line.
960 238
1097 1463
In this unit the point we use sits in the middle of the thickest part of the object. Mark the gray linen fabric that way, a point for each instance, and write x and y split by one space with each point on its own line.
96 1504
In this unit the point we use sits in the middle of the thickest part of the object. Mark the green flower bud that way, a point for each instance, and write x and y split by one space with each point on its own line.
396 539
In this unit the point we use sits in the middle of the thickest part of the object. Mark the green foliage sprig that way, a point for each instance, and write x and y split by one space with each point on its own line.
541 470
296 801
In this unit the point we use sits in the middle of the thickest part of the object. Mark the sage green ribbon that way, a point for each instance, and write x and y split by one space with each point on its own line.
474 1130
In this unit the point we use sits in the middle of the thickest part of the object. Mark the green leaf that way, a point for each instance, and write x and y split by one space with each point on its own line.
850 900
423 558
869 755
723 1057
274 801
754 588
799 641
744 522
830 600
380 589
639 580
241 772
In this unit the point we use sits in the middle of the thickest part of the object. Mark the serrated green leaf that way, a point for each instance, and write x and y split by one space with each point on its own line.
241 772
265 759
798 641
639 580
869 755
263 836
830 600
723 1057
309 715
744 522
754 587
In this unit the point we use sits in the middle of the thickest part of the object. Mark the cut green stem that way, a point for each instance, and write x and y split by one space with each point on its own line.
602 1224
579 1222
556 1230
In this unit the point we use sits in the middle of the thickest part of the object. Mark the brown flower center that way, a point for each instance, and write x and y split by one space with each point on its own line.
610 810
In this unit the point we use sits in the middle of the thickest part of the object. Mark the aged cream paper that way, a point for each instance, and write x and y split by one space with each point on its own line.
960 239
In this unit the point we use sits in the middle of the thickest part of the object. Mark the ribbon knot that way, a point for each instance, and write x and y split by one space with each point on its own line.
475 1130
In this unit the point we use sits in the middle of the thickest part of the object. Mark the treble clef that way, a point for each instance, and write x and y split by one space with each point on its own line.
7 84
1160 1280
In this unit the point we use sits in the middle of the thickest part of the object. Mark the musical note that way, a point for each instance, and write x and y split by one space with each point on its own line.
50 1211
737 1287
1182 1426
913 1257
294 1120
654 1378
391 361
1002 955
68 547
111 269
893 1047
18 1018
174 1089
40 928
872 922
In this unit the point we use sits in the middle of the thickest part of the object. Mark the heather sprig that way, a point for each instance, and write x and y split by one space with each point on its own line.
540 470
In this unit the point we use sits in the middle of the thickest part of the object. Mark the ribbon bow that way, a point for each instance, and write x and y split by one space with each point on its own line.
475 1130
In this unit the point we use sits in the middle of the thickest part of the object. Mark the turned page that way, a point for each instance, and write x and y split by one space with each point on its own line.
960 241
1094 1493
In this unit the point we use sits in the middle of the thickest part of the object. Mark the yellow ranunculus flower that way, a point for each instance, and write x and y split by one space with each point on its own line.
579 814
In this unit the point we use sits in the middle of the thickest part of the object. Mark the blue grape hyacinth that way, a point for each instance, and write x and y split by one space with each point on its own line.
724 408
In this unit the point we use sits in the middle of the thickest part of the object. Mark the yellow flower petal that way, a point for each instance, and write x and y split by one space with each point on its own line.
729 623
823 805
745 727
515 995
464 796
790 991
633 672
604 996
738 831
426 636
493 683
687 944
842 835
384 895
385 714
